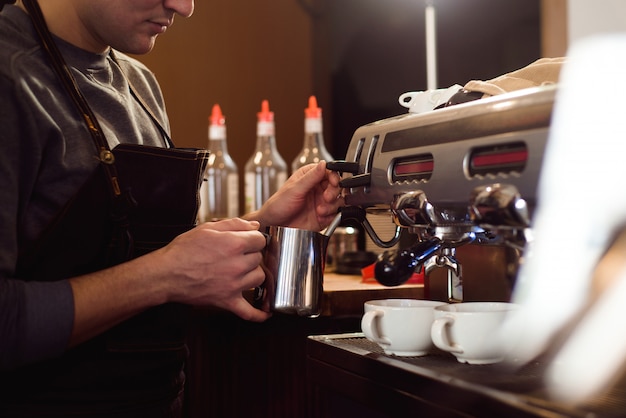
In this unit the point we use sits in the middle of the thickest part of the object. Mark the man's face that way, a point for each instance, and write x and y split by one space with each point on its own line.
127 25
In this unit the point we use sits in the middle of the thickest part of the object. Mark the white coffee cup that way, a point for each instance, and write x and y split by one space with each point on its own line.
400 326
471 330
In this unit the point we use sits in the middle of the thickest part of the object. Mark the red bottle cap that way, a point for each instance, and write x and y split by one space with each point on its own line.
313 112
216 117
265 115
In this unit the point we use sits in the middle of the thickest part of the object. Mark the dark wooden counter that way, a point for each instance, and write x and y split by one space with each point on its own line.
243 369
351 376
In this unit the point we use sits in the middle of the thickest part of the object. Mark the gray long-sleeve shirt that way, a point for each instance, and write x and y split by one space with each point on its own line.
46 153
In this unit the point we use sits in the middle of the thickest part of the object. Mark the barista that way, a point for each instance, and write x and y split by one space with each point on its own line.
107 340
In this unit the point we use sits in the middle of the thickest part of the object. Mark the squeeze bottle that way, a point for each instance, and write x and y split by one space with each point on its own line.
219 193
313 149
266 170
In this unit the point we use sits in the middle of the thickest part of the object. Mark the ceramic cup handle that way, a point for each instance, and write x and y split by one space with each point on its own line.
369 325
439 335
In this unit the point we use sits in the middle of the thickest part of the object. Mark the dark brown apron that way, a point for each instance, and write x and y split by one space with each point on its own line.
137 200
140 362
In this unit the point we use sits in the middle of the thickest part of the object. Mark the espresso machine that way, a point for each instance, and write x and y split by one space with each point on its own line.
459 183
534 177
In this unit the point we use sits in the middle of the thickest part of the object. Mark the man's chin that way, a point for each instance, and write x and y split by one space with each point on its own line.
139 48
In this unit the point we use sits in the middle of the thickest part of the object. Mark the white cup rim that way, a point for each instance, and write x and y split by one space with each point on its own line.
477 307
404 303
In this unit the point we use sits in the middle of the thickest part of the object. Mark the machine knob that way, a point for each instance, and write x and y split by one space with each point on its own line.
352 167
360 180
396 267
342 166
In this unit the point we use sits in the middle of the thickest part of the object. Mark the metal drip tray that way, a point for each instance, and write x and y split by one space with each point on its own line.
442 385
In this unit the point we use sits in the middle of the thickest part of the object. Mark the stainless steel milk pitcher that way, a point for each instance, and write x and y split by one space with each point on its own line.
294 267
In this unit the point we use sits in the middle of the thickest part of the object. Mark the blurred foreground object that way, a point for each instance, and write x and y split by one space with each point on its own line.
572 302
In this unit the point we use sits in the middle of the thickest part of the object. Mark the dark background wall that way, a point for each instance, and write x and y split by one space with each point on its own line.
377 51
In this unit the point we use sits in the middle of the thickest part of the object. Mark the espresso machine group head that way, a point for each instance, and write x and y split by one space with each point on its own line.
460 174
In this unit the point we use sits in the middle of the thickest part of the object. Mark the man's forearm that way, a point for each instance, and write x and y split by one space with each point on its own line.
104 299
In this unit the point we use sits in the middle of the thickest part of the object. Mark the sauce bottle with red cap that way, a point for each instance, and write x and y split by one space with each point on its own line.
219 193
313 149
266 170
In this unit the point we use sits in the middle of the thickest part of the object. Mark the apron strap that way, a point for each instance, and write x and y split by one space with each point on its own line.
67 79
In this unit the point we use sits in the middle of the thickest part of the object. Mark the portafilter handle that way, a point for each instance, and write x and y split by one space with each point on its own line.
393 268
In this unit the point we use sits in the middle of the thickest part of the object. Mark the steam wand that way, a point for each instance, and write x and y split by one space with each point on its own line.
358 213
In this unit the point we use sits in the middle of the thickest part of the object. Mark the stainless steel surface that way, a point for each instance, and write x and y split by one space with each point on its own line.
448 137
294 263
294 271
447 260
465 174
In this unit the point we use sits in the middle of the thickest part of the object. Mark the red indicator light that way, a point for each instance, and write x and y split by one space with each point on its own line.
415 167
499 159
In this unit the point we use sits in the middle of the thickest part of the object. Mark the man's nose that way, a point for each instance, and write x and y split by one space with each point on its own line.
182 7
